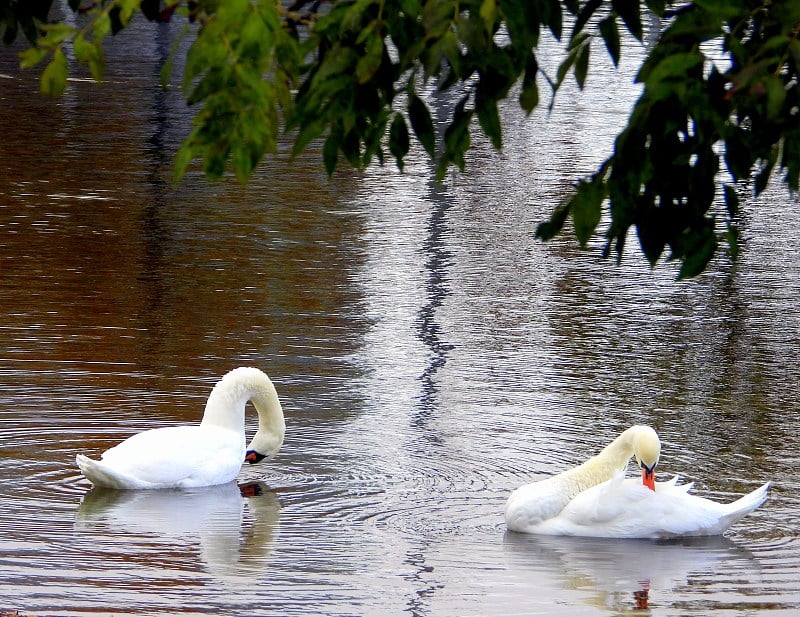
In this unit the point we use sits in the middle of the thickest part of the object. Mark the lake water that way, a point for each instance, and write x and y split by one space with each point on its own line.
430 355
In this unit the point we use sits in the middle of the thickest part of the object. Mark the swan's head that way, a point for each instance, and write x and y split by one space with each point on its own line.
646 449
254 385
265 446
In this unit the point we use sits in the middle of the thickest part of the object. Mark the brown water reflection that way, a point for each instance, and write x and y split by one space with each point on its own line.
430 355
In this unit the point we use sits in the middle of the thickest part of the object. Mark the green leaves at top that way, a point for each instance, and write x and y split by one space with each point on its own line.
225 72
721 86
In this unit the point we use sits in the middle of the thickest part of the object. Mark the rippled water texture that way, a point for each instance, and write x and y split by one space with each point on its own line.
430 354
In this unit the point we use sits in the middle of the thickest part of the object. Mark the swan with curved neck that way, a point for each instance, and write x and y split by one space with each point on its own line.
206 454
596 500
533 503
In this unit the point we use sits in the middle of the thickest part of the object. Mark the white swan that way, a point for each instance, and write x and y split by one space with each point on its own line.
202 455
594 499
533 503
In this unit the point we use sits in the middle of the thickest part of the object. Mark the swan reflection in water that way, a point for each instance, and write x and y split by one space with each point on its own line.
622 574
233 525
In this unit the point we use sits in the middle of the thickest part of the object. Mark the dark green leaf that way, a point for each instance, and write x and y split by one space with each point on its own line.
738 155
791 158
547 230
586 207
117 22
763 176
732 236
610 33
731 199
489 119
183 158
354 16
399 142
674 66
628 10
555 18
488 14
370 62
351 148
310 131
656 6
699 245
776 95
215 162
582 64
529 94
652 231
242 161
330 152
563 68
151 9
10 34
421 123
585 15
456 139
39 9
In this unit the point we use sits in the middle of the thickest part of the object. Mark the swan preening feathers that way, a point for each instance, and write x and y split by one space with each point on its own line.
205 454
595 500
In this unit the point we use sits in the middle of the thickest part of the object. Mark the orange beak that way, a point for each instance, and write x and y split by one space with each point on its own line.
649 477
253 457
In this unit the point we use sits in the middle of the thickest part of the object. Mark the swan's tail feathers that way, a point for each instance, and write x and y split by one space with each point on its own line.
100 475
745 505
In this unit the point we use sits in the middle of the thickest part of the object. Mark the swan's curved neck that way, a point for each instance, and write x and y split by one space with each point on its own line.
226 403
601 467
619 452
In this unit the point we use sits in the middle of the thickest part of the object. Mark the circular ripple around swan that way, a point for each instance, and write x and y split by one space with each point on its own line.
422 500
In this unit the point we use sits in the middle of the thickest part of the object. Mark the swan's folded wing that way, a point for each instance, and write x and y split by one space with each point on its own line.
173 456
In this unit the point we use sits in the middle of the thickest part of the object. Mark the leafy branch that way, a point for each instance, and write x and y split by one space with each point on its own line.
357 77
87 42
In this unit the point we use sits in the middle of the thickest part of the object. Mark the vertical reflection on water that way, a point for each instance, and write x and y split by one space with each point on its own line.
437 258
154 236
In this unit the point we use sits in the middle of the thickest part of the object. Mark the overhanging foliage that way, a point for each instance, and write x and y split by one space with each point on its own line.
350 73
